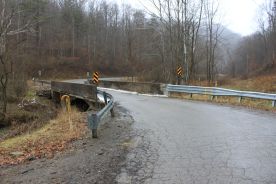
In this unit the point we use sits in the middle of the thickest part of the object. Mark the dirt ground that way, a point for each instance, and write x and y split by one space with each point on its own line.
87 161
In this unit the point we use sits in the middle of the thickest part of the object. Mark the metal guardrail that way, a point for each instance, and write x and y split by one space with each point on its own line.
213 91
94 119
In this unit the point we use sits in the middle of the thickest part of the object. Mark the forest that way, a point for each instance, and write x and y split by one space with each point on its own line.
62 39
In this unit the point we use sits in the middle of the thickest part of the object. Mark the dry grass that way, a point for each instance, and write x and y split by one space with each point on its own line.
266 83
28 118
246 102
44 142
262 83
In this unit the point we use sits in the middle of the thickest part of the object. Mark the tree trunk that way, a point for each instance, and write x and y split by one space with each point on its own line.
4 96
4 84
73 36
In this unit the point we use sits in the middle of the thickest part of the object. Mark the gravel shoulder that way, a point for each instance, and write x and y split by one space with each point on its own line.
87 161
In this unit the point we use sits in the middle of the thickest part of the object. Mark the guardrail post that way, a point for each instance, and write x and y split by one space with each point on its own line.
112 113
93 124
166 91
105 97
273 103
240 99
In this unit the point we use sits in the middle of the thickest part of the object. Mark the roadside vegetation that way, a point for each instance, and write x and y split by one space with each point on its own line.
25 112
257 82
44 142
34 127
262 83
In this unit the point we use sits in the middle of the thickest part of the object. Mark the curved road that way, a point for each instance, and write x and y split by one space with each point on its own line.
195 142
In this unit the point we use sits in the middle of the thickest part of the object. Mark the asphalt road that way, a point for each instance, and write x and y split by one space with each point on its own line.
196 142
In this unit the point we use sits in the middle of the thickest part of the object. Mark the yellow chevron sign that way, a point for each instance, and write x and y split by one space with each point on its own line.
179 71
96 78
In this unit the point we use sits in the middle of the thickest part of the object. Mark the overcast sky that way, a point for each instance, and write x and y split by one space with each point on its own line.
240 16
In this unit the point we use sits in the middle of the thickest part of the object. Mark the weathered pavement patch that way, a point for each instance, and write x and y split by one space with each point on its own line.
141 159
89 160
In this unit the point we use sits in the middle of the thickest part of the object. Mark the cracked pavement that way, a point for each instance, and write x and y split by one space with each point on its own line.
181 141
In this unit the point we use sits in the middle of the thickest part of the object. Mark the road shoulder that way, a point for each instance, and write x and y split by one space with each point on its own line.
88 161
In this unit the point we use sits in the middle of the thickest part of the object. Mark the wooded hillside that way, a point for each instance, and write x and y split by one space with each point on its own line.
67 38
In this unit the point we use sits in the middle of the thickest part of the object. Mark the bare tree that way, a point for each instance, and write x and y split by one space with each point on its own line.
182 22
194 38
213 32
7 30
